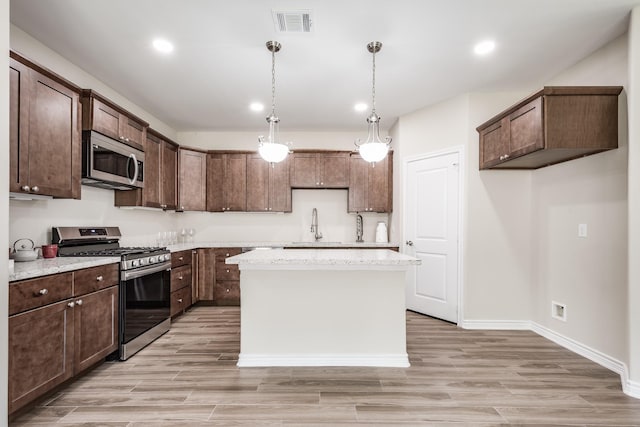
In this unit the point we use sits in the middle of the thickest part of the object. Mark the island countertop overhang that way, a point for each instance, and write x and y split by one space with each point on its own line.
323 259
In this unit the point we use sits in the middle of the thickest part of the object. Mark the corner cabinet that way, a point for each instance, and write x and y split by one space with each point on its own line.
553 125
44 132
192 180
370 185
268 187
160 175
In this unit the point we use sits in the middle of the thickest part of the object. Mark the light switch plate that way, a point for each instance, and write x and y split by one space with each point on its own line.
582 230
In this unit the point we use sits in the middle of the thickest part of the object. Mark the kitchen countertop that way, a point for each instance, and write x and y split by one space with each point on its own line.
323 259
47 266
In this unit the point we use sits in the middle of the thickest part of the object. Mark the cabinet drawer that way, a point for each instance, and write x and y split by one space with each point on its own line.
95 278
180 300
227 271
180 258
180 277
227 292
28 294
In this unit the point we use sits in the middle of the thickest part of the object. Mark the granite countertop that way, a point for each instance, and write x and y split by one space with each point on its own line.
46 266
329 259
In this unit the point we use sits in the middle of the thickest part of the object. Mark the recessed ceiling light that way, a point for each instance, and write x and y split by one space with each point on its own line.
256 106
360 106
163 46
484 47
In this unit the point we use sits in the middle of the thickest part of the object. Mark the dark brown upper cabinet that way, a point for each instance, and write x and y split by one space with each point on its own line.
268 188
44 131
551 126
226 182
320 169
102 115
192 180
160 175
370 185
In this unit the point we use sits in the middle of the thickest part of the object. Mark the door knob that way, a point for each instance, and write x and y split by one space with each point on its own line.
409 243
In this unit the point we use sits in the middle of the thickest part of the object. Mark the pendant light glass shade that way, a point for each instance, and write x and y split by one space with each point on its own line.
373 149
270 149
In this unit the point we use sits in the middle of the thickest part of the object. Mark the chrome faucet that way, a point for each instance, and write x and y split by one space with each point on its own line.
314 224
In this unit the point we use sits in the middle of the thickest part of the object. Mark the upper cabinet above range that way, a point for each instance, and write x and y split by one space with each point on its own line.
551 126
320 169
44 132
102 115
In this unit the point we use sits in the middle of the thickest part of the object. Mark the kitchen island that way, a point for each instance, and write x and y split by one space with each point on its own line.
324 307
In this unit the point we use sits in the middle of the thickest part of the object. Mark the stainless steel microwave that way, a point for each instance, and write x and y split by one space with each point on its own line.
108 163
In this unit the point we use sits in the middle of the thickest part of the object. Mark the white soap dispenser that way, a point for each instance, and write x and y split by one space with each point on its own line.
381 233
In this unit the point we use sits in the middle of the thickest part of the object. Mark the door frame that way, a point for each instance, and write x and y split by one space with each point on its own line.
460 150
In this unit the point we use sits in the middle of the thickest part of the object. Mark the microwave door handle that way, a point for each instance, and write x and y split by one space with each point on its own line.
135 168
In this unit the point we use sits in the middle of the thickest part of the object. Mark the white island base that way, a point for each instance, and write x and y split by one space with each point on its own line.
307 314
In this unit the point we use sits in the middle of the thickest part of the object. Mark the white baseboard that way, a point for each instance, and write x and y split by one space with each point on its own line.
262 360
508 325
631 388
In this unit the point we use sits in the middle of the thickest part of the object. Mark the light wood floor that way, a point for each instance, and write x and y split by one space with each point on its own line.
482 378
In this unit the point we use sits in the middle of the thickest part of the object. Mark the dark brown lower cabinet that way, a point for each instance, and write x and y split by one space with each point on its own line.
53 341
227 278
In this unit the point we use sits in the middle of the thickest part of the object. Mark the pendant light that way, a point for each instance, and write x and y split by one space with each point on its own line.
270 148
373 149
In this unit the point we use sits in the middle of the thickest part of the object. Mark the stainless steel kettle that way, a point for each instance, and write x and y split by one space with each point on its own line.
25 251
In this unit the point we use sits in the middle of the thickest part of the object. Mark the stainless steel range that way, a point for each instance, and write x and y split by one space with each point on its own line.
145 282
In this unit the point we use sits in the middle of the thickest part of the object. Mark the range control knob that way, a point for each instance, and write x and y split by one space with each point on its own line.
143 261
153 259
135 263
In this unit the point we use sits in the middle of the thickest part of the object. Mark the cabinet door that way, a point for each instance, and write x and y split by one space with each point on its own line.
358 182
152 173
280 187
54 138
235 182
180 300
379 186
227 292
18 126
334 170
134 133
41 347
192 177
525 129
494 144
96 327
215 182
257 184
206 274
168 179
105 119
304 170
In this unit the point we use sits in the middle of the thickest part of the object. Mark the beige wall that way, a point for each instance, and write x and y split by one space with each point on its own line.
589 275
633 256
4 202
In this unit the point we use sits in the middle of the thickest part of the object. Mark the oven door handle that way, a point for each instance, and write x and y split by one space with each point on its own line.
134 274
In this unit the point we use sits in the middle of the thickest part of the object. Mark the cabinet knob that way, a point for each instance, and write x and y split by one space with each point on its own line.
317 183
321 183
99 279
35 189
126 139
270 208
180 278
180 300
163 206
79 302
71 304
227 270
227 255
227 290
25 188
266 209
122 138
180 259
42 292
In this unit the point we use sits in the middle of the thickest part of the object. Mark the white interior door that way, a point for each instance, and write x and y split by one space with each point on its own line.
432 224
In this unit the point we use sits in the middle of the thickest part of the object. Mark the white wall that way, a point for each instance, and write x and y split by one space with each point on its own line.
4 203
588 275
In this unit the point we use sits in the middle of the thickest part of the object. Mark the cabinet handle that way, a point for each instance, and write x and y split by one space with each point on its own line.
266 209
99 279
25 188
317 183
227 270
122 138
227 290
71 304
126 139
163 206
270 208
227 255
35 189
506 156
79 302
180 259
180 278
321 183
180 300
42 292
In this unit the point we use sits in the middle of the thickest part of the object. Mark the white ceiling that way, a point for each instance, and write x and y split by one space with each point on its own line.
220 63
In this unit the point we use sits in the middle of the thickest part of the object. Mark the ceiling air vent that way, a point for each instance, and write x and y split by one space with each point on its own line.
292 21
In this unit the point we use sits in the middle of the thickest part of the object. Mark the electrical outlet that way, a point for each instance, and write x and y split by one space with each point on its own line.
559 311
582 230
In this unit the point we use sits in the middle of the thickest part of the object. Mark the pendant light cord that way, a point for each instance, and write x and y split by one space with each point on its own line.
273 82
373 89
